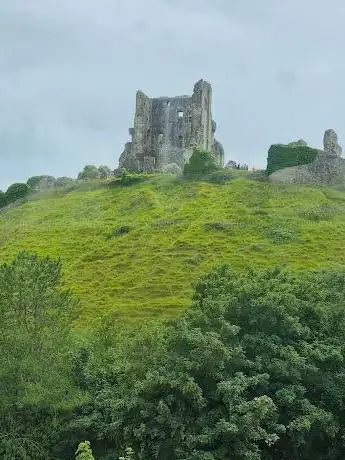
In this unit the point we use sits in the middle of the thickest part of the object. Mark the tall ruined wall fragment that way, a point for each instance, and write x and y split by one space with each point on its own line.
167 129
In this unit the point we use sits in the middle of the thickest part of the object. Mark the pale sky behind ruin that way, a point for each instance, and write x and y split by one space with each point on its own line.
69 70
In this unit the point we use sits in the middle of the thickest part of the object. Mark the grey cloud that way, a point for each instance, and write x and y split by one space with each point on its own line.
69 71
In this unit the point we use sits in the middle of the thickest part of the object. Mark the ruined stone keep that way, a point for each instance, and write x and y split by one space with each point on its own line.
167 129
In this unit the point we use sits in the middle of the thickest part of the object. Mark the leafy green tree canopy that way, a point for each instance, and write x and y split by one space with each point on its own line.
254 370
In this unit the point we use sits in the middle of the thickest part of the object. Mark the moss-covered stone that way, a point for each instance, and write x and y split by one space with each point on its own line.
294 154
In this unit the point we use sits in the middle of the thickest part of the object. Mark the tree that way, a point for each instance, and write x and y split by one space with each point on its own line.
89 172
253 370
104 172
35 345
200 164
16 192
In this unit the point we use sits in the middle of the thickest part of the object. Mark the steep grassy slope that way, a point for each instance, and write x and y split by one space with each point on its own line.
175 232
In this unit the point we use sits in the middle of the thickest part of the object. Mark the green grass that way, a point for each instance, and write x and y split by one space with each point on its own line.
136 251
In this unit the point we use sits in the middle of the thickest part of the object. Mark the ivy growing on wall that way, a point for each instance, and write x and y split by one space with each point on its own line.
282 156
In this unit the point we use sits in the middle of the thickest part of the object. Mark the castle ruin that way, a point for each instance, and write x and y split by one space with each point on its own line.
167 130
328 168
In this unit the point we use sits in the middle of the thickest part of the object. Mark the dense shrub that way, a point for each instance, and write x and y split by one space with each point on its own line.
200 164
280 235
282 156
16 192
128 178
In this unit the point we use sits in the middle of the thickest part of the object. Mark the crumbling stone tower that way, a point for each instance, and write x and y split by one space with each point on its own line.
167 129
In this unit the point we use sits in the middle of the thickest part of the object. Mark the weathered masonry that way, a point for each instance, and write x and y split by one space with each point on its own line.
167 129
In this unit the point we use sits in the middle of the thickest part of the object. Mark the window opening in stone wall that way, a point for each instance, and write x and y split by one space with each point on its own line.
180 141
168 103
160 137
180 113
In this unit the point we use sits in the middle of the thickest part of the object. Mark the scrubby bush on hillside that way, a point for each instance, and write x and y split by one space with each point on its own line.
16 192
200 164
282 156
89 172
128 178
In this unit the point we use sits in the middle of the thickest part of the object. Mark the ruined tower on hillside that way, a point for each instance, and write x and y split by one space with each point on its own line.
167 129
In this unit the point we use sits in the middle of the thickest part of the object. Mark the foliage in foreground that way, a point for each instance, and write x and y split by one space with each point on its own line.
254 370
36 387
84 451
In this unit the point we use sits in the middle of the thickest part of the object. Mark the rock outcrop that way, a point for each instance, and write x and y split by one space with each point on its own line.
328 168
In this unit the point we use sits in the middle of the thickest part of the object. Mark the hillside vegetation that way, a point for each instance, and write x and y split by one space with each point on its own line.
136 251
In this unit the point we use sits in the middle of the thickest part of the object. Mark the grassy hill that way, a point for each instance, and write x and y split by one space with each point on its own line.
136 250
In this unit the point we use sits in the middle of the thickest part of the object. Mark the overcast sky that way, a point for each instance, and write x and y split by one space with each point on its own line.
69 70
